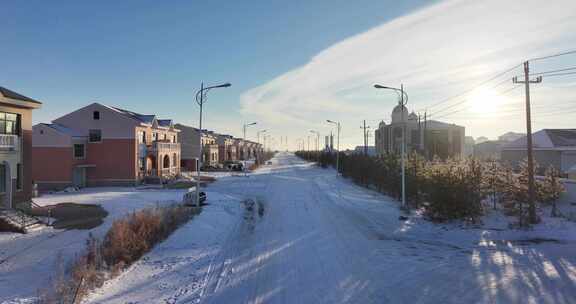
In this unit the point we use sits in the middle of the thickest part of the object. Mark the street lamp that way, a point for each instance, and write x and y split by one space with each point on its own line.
403 101
258 140
337 145
317 139
258 134
200 99
244 128
244 136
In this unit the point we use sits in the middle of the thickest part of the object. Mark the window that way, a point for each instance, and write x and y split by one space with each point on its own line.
165 136
141 162
174 138
174 159
79 151
142 137
95 135
154 136
96 115
9 123
19 176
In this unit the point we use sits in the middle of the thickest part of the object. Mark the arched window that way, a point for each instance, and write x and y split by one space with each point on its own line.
166 161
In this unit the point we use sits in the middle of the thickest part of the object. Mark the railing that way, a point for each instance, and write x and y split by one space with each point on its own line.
9 141
165 146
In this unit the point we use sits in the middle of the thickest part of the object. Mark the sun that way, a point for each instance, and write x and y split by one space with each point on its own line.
484 101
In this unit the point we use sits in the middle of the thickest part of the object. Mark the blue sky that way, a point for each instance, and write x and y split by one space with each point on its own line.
150 56
292 64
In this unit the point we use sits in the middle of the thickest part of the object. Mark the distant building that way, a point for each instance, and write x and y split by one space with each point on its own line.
15 147
481 139
510 136
488 150
552 147
100 145
468 146
226 148
190 140
430 138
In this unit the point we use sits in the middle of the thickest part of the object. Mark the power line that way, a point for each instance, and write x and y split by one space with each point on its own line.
555 55
503 73
464 101
553 71
477 86
560 74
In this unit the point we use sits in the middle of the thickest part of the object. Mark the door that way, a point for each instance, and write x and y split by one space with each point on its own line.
5 185
79 177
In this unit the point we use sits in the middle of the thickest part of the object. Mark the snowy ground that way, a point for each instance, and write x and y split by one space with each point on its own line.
28 261
324 240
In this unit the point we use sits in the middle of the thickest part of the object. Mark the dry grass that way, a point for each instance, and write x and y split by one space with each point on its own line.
8 227
128 240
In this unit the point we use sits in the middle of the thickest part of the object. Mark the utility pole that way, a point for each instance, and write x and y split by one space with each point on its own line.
531 189
424 135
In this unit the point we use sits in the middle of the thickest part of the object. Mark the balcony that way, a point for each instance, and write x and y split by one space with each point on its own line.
159 146
9 142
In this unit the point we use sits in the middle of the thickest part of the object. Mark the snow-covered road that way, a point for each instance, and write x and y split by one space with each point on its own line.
321 239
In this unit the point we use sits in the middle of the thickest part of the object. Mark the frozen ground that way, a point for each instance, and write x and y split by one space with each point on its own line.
28 261
323 240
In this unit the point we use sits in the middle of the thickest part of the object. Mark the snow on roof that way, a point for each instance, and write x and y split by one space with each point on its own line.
13 95
165 122
547 138
64 130
562 137
145 118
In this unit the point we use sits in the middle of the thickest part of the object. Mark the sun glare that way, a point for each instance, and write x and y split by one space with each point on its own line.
485 101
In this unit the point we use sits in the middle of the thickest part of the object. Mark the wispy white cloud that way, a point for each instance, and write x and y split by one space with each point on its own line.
436 51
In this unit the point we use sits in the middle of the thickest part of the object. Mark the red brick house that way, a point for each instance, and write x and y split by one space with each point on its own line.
15 147
100 145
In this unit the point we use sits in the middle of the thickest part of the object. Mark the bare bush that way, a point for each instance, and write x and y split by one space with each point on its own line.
128 240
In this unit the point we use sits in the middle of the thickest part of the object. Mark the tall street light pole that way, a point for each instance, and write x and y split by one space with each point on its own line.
337 145
200 99
403 101
258 140
244 133
317 138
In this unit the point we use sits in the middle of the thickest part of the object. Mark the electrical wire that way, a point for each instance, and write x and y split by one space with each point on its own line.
464 101
476 87
555 55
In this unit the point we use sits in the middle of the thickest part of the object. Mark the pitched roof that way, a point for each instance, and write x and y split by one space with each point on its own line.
145 118
13 95
164 122
562 137
63 129
547 138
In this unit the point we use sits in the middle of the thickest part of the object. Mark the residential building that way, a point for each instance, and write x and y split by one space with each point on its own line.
552 147
430 138
226 148
468 146
481 139
510 136
15 147
100 145
242 148
488 149
190 139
